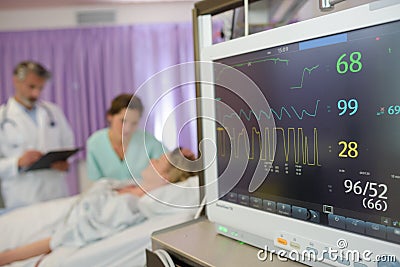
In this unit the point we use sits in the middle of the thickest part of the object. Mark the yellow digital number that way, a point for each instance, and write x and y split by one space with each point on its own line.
349 149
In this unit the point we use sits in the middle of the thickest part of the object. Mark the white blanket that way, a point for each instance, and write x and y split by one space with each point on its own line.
126 248
97 214
28 224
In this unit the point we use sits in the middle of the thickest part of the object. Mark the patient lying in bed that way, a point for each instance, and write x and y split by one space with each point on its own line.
105 209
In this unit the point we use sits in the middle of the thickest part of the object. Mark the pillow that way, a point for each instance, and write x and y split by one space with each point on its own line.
172 198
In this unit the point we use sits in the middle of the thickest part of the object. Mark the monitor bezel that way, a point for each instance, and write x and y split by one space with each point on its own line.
263 227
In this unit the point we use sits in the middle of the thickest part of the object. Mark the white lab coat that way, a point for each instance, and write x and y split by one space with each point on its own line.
20 133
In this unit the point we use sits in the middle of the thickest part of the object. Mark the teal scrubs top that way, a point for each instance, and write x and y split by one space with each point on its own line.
103 161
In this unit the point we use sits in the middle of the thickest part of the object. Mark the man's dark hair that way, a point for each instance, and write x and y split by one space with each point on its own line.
24 67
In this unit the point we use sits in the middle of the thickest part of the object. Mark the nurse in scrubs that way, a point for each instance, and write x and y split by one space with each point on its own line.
109 149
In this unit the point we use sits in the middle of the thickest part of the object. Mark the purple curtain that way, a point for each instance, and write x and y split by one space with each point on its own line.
91 66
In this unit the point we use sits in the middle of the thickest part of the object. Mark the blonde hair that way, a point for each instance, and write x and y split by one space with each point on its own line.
179 166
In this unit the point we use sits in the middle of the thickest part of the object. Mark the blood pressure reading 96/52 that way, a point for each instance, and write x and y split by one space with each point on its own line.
374 194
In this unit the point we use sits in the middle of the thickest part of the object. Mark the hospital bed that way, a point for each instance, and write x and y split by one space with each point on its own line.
126 248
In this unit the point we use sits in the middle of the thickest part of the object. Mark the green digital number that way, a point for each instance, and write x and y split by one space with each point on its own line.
342 66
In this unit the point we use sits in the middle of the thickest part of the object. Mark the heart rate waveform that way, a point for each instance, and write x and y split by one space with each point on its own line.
268 115
294 145
302 76
250 63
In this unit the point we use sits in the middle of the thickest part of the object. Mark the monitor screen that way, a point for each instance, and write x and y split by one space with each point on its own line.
330 160
336 105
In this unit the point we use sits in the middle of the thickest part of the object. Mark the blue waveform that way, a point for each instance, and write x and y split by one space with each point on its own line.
268 115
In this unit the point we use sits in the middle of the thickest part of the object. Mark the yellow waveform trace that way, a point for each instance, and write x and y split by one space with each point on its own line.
293 141
221 140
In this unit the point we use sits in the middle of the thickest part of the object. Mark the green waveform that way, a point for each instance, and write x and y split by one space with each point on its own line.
262 60
249 63
302 77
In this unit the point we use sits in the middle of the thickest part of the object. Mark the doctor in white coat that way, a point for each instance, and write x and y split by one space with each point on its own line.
30 127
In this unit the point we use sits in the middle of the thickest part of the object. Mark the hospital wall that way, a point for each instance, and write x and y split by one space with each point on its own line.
65 17
14 20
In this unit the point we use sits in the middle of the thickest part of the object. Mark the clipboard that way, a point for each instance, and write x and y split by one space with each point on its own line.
53 156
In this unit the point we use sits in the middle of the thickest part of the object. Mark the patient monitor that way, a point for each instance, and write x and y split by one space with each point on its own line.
321 183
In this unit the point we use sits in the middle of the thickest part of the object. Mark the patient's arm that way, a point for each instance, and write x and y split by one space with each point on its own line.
25 252
133 190
148 185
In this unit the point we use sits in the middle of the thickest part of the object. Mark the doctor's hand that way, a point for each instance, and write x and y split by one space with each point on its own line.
28 158
60 166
